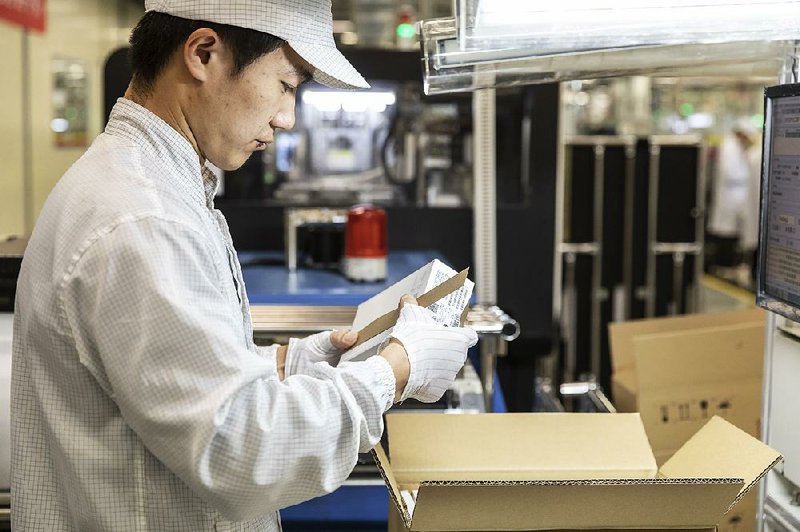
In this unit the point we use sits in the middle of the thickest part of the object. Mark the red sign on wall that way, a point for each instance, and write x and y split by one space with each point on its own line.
27 13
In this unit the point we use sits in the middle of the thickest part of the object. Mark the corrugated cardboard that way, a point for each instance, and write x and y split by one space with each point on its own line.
685 378
678 372
713 470
576 446
621 333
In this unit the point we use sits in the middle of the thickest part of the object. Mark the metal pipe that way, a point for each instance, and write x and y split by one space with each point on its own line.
525 149
484 209
766 406
570 318
488 352
549 368
700 234
485 201
627 249
678 260
652 219
290 238
415 162
597 261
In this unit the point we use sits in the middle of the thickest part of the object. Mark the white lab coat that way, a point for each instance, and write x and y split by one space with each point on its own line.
752 205
729 189
138 399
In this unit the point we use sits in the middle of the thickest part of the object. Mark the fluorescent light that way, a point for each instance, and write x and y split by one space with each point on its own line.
574 25
700 121
352 102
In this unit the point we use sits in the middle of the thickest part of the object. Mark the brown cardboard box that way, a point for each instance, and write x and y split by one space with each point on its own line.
680 371
561 472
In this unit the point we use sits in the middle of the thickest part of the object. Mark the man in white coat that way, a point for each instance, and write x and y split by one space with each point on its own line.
139 400
730 193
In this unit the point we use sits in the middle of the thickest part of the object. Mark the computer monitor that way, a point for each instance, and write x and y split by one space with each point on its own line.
778 279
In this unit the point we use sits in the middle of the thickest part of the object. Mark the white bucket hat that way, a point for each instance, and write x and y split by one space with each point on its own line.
306 25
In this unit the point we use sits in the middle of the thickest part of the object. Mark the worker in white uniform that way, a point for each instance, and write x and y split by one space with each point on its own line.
730 190
752 206
139 400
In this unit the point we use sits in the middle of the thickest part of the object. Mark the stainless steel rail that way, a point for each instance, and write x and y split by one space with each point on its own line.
281 320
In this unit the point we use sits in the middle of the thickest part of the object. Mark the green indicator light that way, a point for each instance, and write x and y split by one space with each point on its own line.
758 120
406 31
686 109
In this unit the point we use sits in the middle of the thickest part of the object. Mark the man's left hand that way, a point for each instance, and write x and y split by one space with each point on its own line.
303 353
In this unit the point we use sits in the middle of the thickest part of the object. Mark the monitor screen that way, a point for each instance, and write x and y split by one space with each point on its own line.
778 287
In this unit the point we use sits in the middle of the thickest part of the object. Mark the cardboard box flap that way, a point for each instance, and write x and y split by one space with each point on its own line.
662 359
385 469
621 334
720 449
518 447
625 392
387 320
644 504
627 379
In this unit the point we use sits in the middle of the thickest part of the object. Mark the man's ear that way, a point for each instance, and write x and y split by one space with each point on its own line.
202 51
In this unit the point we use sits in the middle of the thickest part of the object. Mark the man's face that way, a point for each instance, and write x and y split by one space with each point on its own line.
232 117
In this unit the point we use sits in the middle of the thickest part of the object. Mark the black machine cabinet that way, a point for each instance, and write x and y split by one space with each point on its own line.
632 235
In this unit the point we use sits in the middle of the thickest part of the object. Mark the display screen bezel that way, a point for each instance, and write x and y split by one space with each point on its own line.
771 302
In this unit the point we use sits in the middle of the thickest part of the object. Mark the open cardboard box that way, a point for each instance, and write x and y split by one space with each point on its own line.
562 472
678 372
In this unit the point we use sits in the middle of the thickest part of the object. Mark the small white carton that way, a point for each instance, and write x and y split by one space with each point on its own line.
436 286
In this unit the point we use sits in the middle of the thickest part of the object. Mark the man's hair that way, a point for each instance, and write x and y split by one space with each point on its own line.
158 35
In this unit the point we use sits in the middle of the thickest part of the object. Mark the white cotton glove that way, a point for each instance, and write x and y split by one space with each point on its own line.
303 353
436 353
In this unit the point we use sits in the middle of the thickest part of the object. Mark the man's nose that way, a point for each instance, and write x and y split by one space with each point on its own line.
284 119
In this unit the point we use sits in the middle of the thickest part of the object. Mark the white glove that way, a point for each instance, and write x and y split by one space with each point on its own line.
303 353
436 353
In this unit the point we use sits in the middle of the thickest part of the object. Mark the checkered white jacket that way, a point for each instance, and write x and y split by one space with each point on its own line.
139 401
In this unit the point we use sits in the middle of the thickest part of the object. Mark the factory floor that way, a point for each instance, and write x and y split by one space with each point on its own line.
717 295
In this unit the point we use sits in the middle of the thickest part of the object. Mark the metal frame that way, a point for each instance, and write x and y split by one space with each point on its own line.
564 297
485 200
678 250
548 366
568 252
627 250
597 260
592 392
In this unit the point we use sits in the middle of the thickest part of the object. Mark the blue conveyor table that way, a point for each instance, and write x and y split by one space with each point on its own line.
269 282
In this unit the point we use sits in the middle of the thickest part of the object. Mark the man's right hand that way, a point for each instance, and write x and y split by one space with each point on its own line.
433 353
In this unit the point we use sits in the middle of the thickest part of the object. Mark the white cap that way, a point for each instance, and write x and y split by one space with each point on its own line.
306 25
745 125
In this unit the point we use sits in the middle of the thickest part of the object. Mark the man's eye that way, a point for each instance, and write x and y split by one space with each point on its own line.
288 88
